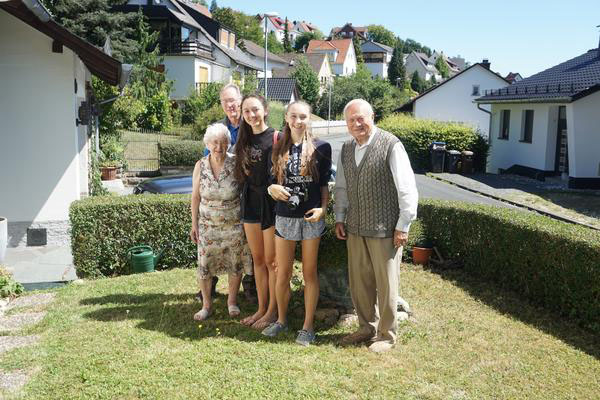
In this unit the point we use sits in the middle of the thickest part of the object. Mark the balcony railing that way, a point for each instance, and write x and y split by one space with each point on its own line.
188 47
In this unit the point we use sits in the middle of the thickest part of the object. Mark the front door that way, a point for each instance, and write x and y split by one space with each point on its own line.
561 164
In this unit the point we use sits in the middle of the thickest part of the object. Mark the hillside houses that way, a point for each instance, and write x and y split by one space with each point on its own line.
276 25
340 52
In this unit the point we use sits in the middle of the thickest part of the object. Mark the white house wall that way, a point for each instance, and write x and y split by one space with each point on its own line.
583 130
38 136
539 154
453 101
182 71
377 69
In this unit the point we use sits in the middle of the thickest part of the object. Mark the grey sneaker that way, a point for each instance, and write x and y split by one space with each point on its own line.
305 337
274 329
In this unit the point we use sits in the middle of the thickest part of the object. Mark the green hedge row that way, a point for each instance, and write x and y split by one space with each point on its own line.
552 263
418 134
180 152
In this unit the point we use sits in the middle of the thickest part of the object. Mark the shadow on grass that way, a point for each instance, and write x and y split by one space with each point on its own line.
172 314
508 302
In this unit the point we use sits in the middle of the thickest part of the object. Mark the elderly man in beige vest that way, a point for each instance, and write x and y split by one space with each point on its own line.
375 202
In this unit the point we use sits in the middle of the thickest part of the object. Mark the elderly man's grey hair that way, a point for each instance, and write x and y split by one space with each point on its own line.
215 132
231 86
361 102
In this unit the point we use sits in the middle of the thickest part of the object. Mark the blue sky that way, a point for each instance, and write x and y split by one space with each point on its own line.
525 36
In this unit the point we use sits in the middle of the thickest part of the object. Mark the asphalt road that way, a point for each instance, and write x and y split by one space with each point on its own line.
428 187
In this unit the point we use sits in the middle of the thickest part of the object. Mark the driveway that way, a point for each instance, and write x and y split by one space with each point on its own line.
428 187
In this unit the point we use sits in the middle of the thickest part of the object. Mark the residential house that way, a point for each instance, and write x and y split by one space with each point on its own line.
349 31
513 77
453 68
283 90
452 100
196 49
548 124
303 27
277 26
377 58
319 63
421 63
340 52
257 53
45 109
460 62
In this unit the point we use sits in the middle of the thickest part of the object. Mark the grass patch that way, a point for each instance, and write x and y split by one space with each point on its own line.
133 337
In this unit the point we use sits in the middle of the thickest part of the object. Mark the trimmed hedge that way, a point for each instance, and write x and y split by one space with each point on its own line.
552 263
104 228
418 134
180 152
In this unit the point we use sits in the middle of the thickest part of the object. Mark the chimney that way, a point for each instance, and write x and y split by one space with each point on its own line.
485 63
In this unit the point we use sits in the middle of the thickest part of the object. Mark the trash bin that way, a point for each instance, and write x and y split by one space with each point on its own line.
452 159
467 162
438 153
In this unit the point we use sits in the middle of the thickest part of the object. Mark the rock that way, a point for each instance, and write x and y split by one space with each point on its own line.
32 300
14 380
347 320
20 321
12 342
403 305
402 316
327 315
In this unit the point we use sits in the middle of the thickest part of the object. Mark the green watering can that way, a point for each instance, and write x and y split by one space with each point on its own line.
142 258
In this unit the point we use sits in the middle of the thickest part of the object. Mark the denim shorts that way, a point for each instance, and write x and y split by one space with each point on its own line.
298 229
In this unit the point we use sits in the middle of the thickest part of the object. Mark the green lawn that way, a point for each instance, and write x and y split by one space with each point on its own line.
133 337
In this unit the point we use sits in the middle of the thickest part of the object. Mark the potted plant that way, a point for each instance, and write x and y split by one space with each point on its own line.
112 157
108 169
3 238
422 251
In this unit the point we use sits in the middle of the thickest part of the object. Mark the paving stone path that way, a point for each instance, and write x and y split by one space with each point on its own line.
10 325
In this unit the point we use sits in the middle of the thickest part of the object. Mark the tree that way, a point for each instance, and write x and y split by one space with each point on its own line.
396 69
302 41
357 50
380 34
202 2
213 6
433 80
287 44
274 46
225 16
307 81
416 83
442 67
95 20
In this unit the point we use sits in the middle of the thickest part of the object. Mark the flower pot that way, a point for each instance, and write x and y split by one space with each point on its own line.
421 255
108 173
3 238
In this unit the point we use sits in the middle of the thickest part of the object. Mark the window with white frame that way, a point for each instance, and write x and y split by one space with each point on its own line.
527 126
504 124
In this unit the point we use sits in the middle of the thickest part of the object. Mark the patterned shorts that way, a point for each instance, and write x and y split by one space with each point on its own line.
298 229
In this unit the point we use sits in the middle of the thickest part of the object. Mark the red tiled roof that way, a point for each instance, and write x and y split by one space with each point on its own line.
279 23
200 8
342 45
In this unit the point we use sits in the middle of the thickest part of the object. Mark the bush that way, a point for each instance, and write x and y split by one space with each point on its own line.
552 263
204 119
276 115
180 152
8 286
199 102
104 228
417 135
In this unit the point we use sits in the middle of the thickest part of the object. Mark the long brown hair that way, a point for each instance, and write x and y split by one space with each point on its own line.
281 151
242 157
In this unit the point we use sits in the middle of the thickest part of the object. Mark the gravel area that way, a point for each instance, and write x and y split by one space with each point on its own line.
19 321
12 342
32 300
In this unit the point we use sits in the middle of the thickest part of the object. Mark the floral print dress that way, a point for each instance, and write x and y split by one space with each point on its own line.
222 246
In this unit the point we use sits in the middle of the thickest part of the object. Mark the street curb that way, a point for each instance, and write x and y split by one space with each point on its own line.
514 203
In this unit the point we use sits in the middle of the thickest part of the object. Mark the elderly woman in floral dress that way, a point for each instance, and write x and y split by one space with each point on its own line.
216 225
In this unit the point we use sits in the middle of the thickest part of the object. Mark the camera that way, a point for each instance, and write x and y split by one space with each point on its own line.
298 194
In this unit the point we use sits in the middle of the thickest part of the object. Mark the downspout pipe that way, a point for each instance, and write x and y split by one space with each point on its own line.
489 128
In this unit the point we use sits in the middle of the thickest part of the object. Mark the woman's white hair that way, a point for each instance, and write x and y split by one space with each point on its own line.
216 132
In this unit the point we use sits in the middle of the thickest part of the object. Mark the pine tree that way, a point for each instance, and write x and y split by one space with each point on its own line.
416 83
213 6
94 20
287 44
396 69
307 81
357 50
